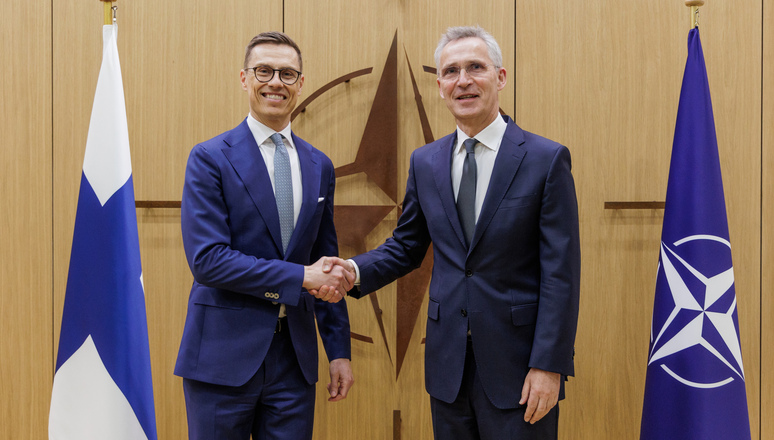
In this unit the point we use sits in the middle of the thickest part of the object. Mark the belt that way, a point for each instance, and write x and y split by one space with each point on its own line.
282 325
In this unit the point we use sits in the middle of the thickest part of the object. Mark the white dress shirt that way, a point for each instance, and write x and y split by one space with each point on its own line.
486 152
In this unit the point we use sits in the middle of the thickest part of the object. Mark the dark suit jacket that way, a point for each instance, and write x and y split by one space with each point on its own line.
231 235
517 287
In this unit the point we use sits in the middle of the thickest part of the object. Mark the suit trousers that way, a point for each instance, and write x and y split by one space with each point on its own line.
472 416
277 403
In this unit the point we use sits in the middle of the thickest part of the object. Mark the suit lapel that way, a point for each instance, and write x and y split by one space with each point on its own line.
442 159
246 159
506 165
310 177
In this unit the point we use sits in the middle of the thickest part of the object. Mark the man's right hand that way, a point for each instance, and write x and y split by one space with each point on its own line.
330 262
332 265
329 278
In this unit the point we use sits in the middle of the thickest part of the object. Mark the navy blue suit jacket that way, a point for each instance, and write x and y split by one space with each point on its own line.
517 286
232 240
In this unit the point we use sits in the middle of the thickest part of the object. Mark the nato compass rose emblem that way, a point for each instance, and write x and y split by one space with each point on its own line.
694 335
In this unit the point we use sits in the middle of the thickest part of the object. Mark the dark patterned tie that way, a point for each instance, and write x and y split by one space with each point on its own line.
466 197
283 189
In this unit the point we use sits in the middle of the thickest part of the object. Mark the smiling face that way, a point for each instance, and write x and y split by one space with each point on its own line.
272 103
473 100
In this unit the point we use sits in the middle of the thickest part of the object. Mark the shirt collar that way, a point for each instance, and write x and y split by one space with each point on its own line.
490 137
261 132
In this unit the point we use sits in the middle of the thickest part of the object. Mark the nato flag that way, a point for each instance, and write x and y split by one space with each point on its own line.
695 384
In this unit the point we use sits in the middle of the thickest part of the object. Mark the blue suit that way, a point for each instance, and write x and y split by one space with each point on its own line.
516 287
231 235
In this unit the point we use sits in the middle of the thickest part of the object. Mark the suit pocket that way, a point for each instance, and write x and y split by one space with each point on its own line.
432 309
516 202
524 314
219 298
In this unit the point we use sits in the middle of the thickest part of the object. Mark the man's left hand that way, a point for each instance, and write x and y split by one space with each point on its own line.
341 379
540 393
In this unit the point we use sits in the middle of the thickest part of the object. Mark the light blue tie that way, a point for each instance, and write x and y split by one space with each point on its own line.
283 189
466 196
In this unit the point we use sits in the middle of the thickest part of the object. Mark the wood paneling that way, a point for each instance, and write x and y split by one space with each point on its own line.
26 359
167 281
606 82
767 235
614 107
732 42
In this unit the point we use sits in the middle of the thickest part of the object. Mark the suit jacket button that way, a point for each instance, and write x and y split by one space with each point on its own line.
469 273
464 312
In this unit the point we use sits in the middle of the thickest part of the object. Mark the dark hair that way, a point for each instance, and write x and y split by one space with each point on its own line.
273 37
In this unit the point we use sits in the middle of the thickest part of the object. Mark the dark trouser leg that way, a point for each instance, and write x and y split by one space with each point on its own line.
276 403
473 417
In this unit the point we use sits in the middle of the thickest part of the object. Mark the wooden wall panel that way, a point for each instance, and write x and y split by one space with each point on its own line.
767 235
26 362
607 88
606 82
180 63
167 282
732 41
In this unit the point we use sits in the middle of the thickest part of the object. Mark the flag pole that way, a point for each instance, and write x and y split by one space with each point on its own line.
108 11
694 4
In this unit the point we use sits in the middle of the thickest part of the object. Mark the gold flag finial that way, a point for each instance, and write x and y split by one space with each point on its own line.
109 12
694 4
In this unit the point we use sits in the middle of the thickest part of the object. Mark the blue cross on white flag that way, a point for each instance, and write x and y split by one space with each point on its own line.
102 385
695 383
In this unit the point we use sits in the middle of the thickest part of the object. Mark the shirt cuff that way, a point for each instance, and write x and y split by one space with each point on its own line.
357 272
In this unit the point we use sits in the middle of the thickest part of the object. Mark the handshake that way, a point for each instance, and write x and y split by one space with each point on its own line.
329 278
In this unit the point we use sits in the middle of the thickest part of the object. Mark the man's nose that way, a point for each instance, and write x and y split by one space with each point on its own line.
464 78
275 80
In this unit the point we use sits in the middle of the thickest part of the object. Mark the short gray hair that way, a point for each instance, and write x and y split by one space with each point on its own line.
459 32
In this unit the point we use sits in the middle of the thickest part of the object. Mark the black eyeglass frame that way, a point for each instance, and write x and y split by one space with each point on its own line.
274 72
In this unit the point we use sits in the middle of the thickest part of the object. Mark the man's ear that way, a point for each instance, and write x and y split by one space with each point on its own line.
243 79
502 78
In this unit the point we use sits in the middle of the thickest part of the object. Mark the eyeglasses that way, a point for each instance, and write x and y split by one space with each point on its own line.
265 74
475 70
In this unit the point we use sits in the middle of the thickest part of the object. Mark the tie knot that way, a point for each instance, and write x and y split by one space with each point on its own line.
277 139
470 145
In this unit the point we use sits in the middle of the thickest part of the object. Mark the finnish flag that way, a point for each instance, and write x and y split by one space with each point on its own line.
102 384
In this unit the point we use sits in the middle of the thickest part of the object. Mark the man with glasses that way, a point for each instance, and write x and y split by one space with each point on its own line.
498 204
257 218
